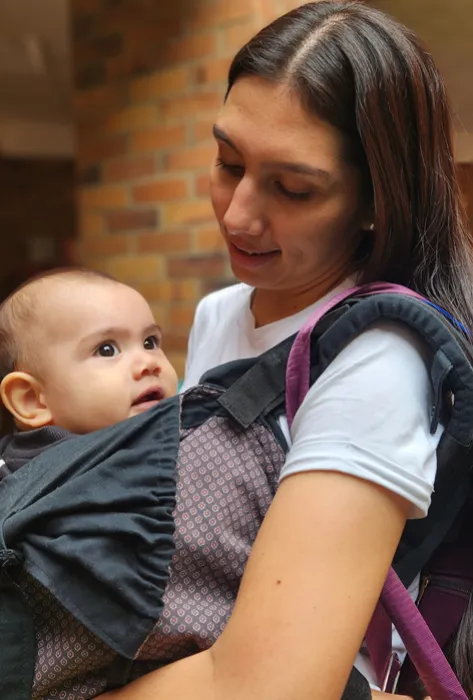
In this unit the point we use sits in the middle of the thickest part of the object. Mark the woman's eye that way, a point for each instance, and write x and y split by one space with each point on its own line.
235 170
152 342
290 194
107 350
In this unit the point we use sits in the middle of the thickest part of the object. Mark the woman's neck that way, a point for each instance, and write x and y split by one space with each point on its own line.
270 305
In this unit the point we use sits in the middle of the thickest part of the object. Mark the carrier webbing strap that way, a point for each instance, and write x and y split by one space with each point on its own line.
450 371
262 386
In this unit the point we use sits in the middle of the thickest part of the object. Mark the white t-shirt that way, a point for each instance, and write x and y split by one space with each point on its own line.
367 415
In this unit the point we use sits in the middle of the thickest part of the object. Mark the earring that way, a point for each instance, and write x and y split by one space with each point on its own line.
372 227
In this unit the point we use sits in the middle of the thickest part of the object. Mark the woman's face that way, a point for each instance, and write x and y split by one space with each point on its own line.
288 204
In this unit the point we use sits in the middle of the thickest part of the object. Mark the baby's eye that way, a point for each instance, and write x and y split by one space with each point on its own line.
107 349
152 342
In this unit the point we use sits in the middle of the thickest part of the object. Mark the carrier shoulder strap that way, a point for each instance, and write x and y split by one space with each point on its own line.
451 374
452 381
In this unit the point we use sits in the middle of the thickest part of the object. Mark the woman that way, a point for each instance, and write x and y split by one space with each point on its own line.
334 164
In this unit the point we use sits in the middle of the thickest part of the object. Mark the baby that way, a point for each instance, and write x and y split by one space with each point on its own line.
79 351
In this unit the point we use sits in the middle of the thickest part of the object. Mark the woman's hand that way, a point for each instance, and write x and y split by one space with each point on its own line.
306 598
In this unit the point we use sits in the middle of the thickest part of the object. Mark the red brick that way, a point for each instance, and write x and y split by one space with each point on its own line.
153 33
95 105
182 315
210 239
216 13
214 285
175 341
158 84
161 190
162 137
167 291
104 196
199 266
187 212
235 37
269 11
192 104
134 267
202 185
131 220
161 242
190 48
129 169
287 5
132 118
142 13
106 245
193 158
160 311
177 359
214 71
99 149
91 224
203 129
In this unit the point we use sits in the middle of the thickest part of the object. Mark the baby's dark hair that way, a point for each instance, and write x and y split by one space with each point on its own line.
19 312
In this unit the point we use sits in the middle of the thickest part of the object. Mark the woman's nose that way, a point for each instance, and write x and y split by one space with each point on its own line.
244 214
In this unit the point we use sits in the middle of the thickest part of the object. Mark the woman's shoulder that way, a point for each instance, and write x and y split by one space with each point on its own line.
369 415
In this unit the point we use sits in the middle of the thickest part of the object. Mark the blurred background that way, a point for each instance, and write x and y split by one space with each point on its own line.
105 115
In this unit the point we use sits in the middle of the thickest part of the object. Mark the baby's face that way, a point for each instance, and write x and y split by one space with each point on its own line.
103 360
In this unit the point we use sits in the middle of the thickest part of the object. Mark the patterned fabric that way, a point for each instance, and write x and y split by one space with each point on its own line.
227 477
226 481
70 661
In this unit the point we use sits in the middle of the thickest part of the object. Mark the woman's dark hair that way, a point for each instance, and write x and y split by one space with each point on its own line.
367 75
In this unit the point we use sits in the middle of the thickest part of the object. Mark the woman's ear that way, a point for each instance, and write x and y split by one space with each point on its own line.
23 396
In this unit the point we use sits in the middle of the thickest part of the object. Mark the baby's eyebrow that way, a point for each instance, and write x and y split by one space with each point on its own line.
154 328
106 332
111 332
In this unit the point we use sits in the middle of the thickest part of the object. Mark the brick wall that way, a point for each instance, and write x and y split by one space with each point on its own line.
150 77
37 217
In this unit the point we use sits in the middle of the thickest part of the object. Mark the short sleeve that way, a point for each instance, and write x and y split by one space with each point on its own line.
368 415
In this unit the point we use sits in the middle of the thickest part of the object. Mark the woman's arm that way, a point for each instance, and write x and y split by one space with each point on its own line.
321 556
306 598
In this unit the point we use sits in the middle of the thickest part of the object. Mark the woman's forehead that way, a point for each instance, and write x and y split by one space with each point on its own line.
261 116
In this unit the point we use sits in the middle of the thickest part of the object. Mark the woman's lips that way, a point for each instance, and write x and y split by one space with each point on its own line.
253 259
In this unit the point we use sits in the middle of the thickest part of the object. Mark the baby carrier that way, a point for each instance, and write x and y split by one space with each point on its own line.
122 550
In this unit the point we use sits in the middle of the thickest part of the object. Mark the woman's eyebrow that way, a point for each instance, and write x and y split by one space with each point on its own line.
297 168
221 136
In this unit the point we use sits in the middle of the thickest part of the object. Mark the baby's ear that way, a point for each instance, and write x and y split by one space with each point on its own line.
23 396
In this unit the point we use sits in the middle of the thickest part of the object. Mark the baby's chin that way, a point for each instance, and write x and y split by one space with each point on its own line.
142 407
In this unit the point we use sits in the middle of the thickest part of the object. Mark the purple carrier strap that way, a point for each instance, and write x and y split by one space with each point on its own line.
379 639
395 603
422 647
298 365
